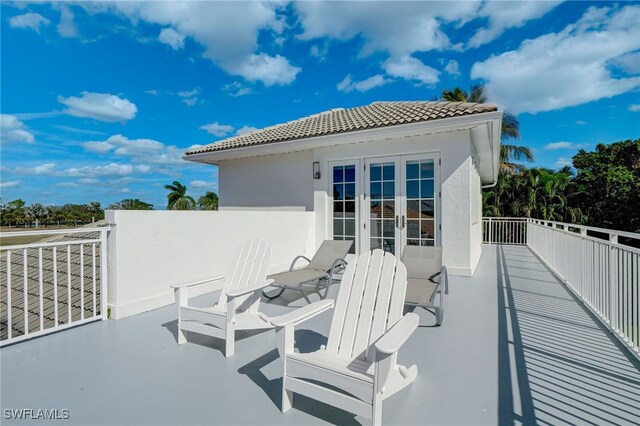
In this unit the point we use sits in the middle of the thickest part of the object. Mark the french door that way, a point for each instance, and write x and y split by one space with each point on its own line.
401 203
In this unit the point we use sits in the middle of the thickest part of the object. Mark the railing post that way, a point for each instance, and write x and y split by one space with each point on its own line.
104 288
613 239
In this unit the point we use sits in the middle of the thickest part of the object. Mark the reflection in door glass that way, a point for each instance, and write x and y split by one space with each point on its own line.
344 204
382 209
420 199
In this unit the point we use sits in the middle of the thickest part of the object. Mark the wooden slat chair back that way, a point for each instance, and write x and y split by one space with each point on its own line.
370 300
248 268
237 307
367 331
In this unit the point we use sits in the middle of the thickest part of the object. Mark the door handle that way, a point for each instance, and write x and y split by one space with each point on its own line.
403 222
397 221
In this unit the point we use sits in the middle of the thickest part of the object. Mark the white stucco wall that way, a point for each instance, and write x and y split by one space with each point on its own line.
475 214
285 182
279 182
150 250
454 149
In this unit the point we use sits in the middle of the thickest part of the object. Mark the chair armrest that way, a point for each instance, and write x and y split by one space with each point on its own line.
444 278
303 314
248 290
394 338
338 262
293 263
201 282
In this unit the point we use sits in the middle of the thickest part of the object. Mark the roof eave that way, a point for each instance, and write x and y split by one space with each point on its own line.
423 127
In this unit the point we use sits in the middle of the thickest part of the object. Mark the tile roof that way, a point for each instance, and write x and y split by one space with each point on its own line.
375 115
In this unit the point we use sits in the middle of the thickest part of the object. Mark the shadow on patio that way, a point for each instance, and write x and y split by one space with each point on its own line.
557 363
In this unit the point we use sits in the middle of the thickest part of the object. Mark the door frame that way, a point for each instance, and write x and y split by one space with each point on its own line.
362 240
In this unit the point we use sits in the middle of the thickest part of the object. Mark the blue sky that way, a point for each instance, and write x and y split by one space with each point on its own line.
100 100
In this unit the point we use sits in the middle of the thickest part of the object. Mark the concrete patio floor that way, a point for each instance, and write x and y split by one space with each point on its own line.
515 347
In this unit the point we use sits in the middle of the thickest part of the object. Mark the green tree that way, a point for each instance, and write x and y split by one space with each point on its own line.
609 183
178 198
131 204
36 212
95 210
209 201
15 213
537 193
510 129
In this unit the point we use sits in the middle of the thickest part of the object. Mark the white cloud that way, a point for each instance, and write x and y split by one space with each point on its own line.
581 123
172 37
269 70
236 89
567 68
634 107
14 130
139 150
213 25
452 67
246 129
98 147
199 184
399 28
560 145
9 184
410 68
348 84
217 129
629 63
152 92
113 169
189 93
100 106
320 51
43 169
503 16
66 26
29 20
190 97
563 161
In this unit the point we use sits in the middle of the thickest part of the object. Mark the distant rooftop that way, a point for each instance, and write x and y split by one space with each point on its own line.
375 115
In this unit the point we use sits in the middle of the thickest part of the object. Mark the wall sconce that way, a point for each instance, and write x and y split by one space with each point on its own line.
316 170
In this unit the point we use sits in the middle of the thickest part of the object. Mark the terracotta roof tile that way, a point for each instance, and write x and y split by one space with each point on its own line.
378 114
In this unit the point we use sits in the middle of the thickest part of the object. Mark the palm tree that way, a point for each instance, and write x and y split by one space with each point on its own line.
209 201
178 198
510 129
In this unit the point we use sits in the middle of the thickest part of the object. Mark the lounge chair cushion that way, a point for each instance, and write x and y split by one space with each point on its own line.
294 278
420 291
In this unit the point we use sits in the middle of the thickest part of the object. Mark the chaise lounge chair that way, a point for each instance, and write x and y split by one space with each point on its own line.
329 257
237 307
366 334
426 279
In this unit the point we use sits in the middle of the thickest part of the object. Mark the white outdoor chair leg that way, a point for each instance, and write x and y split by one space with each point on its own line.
182 338
376 414
229 345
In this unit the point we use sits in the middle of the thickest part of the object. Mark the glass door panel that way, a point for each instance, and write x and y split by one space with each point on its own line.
382 187
420 207
344 203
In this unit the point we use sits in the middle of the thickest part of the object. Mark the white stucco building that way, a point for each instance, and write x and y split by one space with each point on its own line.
384 175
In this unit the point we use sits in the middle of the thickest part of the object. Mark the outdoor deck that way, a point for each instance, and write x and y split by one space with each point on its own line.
515 347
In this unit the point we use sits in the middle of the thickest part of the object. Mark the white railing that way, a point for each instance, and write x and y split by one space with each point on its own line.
594 263
600 270
504 230
52 284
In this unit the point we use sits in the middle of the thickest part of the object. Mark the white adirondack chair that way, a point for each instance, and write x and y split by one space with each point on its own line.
237 307
366 333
